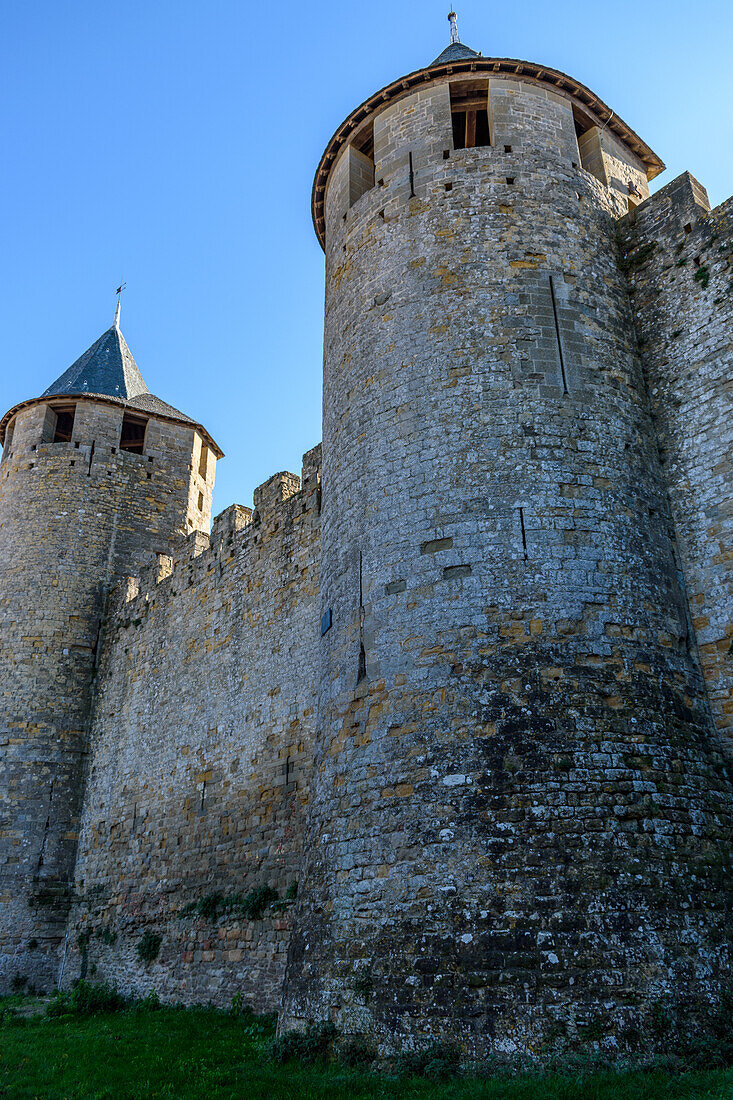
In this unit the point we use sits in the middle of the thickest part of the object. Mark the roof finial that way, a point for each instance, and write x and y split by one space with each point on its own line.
118 292
453 20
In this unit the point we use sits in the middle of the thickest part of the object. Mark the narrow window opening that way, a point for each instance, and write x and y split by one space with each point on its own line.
361 672
204 461
203 795
201 502
64 428
132 436
446 154
449 186
524 532
507 148
470 114
46 827
412 178
557 334
688 228
510 179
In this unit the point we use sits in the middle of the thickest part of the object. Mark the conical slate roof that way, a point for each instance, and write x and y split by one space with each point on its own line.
108 371
107 368
455 52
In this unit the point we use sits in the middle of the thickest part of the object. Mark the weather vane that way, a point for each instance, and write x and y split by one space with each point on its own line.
118 292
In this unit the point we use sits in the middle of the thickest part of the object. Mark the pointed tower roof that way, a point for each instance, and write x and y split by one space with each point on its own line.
107 371
455 52
107 368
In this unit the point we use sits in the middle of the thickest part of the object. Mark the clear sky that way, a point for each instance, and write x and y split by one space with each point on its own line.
173 144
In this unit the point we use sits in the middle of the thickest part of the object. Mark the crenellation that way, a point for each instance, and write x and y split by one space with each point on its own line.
227 524
272 493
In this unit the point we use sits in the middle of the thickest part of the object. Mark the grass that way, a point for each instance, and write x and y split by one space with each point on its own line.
144 1053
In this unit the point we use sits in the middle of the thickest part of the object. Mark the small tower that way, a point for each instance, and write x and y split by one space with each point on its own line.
518 821
97 474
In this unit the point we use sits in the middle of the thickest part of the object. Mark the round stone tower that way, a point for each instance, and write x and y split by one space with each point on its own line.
96 475
519 826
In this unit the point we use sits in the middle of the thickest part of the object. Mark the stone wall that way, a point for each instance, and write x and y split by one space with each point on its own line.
514 769
201 752
72 516
679 256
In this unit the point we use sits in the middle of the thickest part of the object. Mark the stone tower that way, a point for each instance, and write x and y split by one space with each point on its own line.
97 475
520 816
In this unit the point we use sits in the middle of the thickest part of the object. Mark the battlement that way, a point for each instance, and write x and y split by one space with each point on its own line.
281 502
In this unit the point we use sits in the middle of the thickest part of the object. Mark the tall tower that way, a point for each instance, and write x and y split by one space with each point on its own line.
520 818
96 475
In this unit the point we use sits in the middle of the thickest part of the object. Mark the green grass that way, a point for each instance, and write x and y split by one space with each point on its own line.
201 1053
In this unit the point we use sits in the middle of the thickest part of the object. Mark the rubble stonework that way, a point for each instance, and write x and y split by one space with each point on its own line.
202 741
679 257
459 699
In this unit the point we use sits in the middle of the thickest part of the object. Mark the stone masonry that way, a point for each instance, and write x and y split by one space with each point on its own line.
460 698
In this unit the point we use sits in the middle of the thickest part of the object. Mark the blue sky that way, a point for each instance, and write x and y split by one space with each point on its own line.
173 144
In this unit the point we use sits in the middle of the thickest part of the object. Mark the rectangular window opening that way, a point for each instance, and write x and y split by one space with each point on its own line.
361 164
204 461
64 426
132 436
9 439
590 151
469 103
